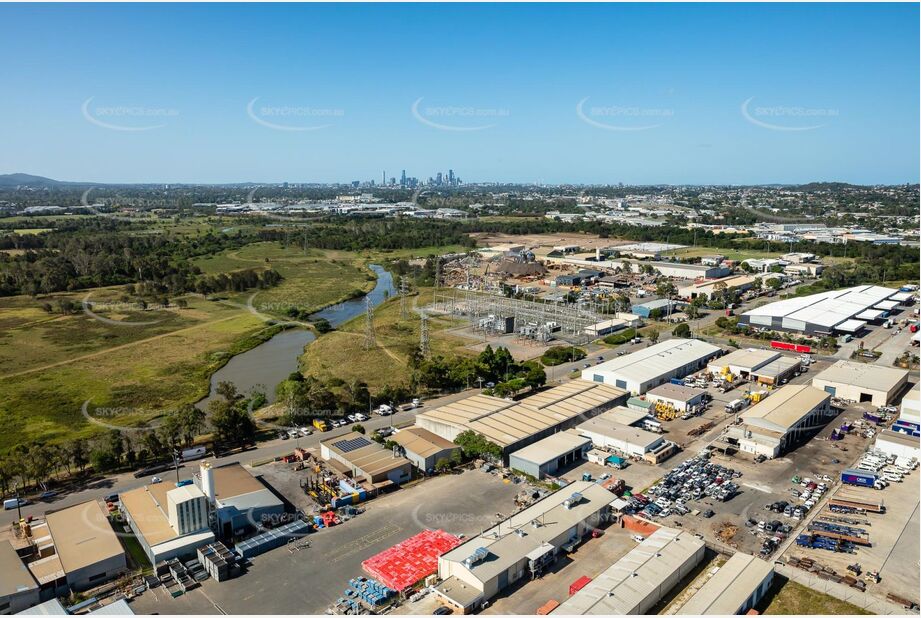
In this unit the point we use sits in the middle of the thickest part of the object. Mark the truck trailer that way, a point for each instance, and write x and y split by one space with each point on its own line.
861 478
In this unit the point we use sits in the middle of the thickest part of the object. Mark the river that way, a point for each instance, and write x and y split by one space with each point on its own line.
264 366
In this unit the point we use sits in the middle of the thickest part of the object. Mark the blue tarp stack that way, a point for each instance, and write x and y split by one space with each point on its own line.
371 591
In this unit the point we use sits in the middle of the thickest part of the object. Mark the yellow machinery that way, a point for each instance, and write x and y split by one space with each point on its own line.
665 411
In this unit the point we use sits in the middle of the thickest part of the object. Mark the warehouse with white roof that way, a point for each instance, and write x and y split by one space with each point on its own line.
862 382
827 313
735 588
521 547
549 455
608 433
639 580
777 424
515 424
640 371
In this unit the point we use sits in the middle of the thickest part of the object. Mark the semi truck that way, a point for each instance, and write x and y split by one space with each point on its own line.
861 478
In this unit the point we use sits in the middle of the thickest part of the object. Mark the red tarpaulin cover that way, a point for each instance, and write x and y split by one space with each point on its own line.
405 563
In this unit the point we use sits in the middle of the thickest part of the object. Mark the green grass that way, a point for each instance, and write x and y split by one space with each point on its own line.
341 353
138 559
51 364
141 381
791 598
312 280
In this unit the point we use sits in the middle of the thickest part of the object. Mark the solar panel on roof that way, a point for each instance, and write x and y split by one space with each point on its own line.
347 446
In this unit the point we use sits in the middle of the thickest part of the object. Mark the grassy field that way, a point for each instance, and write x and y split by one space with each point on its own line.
795 599
312 280
148 362
139 380
30 338
341 353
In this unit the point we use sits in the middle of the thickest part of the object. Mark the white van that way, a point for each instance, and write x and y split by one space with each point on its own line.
735 405
12 503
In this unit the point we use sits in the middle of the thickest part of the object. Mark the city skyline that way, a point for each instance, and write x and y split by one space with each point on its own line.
595 94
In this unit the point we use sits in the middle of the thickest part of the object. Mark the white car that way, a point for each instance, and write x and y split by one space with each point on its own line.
352 418
156 480
638 538
360 416
304 431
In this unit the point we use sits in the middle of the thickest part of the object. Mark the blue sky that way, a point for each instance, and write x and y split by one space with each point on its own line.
637 93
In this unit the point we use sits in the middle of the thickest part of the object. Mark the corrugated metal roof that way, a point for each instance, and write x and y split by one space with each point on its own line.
507 422
372 459
827 309
656 360
421 441
551 447
622 588
675 392
14 575
786 407
748 359
725 592
83 536
506 547
863 375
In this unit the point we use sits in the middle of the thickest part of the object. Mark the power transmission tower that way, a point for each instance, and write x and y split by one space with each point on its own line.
404 309
369 324
424 336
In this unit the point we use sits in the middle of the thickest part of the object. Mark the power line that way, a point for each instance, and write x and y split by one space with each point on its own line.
370 341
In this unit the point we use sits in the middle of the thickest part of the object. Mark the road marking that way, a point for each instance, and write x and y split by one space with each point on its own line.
761 488
361 543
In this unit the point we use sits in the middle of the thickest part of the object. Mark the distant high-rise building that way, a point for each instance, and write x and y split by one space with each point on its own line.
438 178
384 177
451 177
403 179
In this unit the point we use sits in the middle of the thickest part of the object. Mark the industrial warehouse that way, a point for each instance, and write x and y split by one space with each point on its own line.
522 546
734 589
608 432
860 382
763 366
676 397
18 589
152 512
652 366
365 460
79 549
515 424
423 448
838 312
639 580
172 521
549 455
780 422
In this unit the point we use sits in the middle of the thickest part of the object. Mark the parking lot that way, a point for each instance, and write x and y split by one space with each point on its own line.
309 580
894 538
